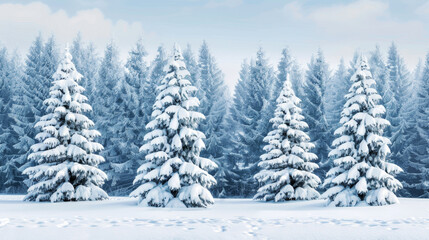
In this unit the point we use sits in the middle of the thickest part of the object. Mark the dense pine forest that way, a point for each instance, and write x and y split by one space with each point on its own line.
241 129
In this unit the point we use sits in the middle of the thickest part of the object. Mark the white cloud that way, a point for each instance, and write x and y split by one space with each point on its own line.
293 9
19 24
423 10
224 3
360 20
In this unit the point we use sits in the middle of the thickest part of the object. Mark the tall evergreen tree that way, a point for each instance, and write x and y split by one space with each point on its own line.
286 166
111 116
66 167
416 151
297 79
284 69
231 182
193 68
378 70
87 63
137 93
362 174
399 85
251 112
315 109
214 105
29 93
7 136
174 175
157 73
337 87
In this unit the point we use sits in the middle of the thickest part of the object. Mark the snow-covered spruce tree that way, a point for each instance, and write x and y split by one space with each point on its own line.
286 166
174 175
362 174
66 161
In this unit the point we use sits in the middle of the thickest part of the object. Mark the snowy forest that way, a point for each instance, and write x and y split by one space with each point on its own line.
234 139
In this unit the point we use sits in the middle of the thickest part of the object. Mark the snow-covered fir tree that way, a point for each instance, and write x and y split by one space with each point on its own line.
362 174
66 156
314 108
286 166
174 174
214 105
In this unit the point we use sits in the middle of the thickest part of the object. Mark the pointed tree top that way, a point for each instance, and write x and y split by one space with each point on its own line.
362 63
68 56
177 52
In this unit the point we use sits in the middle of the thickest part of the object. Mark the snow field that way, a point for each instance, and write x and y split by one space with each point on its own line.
121 218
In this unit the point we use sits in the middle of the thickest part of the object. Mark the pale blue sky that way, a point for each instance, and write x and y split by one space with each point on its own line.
234 29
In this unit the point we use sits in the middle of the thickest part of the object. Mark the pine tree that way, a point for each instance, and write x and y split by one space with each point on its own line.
137 90
284 69
252 120
415 155
398 113
174 175
337 87
214 105
193 68
378 70
231 182
111 116
28 103
157 74
87 63
7 137
362 174
396 91
66 167
297 79
286 166
315 109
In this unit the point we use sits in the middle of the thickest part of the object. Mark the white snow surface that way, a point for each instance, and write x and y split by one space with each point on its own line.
122 218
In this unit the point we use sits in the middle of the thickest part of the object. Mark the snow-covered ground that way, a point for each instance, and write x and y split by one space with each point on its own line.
121 218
